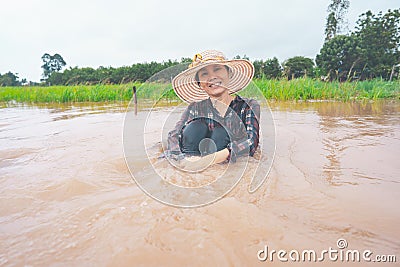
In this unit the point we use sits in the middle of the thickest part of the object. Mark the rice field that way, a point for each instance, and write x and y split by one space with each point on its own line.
297 89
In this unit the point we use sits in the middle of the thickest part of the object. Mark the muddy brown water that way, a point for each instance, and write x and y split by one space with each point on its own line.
68 199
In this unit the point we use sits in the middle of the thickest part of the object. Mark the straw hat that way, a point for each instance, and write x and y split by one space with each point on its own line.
187 88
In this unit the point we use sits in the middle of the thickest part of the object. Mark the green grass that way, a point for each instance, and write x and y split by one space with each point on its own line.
63 94
298 89
305 89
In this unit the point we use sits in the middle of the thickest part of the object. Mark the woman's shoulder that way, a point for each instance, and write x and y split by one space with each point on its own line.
197 104
249 101
198 107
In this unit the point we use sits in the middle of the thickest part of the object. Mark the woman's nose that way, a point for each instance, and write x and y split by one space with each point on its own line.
212 75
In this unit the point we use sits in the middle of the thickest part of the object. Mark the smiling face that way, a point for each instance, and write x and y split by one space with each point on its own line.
213 79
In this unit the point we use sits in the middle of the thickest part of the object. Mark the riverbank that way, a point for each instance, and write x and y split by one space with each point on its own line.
298 89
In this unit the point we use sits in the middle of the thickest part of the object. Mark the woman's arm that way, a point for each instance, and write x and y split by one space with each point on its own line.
173 136
251 124
198 163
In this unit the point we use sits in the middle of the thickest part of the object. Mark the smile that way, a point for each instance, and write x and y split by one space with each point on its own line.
215 84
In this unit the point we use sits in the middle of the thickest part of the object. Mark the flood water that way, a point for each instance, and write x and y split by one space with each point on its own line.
67 197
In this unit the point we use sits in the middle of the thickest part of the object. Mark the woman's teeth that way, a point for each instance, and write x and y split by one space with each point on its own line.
215 84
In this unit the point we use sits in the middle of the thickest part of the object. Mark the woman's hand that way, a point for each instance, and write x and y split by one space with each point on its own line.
198 164
221 156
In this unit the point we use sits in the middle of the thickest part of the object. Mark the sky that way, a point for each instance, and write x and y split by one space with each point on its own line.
119 33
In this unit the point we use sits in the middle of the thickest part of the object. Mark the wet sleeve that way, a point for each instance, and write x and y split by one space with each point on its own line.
251 124
173 136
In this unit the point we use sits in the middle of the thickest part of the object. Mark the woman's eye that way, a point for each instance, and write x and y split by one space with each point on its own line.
203 74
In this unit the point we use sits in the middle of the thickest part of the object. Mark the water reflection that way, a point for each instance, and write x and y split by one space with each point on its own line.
353 126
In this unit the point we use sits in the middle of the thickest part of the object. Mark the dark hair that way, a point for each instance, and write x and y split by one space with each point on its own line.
196 77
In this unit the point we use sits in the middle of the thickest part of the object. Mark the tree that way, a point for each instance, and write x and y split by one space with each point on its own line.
340 58
186 60
299 66
379 37
244 57
371 50
331 27
9 79
52 64
258 69
335 22
269 69
272 68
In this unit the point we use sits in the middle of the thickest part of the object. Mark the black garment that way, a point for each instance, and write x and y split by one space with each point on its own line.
240 120
197 139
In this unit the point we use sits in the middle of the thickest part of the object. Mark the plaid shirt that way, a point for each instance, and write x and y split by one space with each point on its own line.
241 120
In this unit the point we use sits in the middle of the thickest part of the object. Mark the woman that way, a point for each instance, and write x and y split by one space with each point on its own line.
216 125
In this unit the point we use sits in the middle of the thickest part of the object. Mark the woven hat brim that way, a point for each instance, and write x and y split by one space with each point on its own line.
189 91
